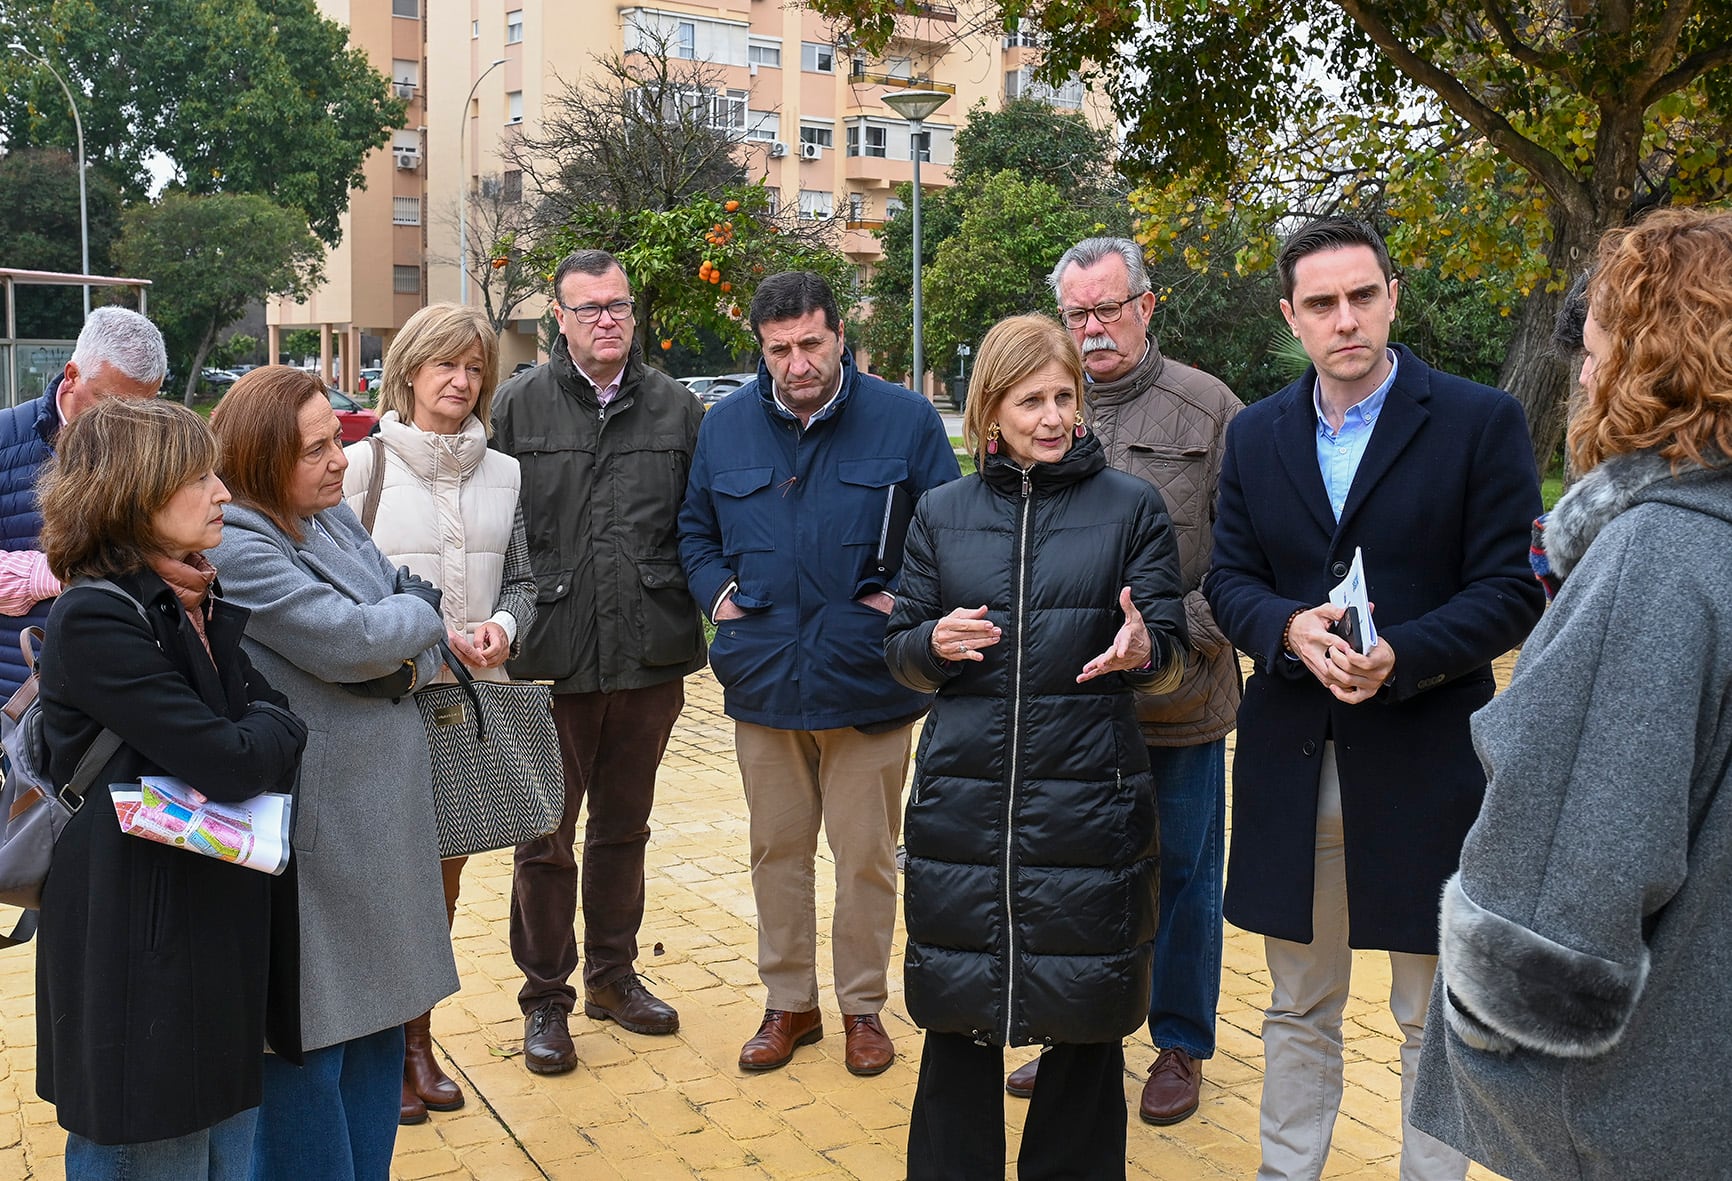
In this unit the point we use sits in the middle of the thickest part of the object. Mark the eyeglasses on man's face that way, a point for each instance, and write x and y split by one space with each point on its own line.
1106 313
589 313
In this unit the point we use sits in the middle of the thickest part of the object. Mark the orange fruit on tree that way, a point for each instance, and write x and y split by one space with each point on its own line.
715 276
666 344
501 262
731 206
727 286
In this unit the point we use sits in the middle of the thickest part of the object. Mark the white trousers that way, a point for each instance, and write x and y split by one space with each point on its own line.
1302 1025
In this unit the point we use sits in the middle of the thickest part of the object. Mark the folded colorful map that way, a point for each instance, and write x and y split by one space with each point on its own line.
253 833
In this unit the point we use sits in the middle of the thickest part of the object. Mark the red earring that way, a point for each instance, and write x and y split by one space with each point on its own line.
1081 430
992 439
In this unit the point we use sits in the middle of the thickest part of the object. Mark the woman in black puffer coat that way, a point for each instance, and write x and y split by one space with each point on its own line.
1033 596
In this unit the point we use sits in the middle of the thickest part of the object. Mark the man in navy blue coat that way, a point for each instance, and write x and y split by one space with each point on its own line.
1354 780
119 354
795 478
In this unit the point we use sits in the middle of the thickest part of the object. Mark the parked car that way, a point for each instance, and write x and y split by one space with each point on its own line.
356 420
723 385
369 379
209 376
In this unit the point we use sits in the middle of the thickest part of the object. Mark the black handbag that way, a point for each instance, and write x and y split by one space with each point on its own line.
497 776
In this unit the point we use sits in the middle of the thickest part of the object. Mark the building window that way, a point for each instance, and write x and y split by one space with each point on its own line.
1021 84
1022 39
763 126
405 72
921 142
512 188
822 136
774 197
406 211
892 208
727 109
816 206
514 107
408 8
877 140
514 27
406 280
817 59
684 42
856 206
764 53
475 30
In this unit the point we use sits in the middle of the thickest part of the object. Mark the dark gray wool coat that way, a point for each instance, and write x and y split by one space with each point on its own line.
1032 872
1583 1016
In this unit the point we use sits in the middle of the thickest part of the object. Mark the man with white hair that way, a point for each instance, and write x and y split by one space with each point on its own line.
1166 423
119 354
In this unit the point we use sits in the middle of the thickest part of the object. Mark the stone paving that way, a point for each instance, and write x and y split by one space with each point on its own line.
649 1108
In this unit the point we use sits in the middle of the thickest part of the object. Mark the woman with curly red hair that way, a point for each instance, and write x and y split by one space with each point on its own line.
1584 946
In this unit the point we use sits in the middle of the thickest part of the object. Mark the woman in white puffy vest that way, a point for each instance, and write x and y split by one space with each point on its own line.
446 507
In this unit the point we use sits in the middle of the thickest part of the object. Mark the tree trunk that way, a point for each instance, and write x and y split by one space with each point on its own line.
1540 377
197 366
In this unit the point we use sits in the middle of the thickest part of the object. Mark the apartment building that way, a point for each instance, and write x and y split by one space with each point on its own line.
810 108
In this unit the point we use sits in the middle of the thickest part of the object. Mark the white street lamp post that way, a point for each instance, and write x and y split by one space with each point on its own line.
83 207
463 189
917 106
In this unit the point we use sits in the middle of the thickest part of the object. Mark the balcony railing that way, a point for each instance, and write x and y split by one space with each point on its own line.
860 76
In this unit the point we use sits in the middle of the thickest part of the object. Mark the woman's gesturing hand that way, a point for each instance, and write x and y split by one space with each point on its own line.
961 634
1131 647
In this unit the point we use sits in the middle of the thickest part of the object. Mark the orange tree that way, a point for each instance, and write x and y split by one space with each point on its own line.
694 267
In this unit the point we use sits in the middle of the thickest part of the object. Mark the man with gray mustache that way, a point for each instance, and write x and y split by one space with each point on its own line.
1166 423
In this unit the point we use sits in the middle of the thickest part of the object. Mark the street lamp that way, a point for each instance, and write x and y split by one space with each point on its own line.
917 106
463 189
83 207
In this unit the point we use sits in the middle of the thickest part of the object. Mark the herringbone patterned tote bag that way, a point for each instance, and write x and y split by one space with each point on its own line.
497 777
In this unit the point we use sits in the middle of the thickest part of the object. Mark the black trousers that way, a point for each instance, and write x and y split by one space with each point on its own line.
1075 1129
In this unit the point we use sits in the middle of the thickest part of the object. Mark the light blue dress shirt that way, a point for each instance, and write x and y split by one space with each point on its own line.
1339 452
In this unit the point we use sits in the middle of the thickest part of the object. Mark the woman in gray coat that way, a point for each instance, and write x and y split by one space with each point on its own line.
1582 984
346 638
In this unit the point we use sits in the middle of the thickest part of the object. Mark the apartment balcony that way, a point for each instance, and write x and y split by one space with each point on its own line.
880 172
931 27
860 76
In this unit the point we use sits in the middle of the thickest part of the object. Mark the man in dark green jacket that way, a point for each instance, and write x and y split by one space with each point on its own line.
605 443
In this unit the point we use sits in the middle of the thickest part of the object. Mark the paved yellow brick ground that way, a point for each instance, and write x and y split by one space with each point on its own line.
677 1107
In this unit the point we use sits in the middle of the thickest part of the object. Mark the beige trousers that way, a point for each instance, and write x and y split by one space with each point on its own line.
851 784
1302 1025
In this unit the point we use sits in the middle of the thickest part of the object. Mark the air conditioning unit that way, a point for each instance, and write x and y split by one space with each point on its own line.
407 159
811 151
404 89
778 149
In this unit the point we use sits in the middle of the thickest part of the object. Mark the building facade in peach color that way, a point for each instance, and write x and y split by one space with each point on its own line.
809 106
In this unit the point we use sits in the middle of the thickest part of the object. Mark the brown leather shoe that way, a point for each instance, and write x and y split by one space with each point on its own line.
778 1036
547 1047
413 1110
1174 1088
421 1073
870 1050
1021 1080
629 1003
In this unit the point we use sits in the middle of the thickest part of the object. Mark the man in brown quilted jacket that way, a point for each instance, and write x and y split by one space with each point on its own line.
1167 423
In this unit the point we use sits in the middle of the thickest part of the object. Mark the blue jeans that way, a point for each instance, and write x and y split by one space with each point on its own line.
1191 798
334 1119
222 1152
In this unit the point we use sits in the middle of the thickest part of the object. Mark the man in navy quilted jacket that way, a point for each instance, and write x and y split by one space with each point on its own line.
119 354
793 482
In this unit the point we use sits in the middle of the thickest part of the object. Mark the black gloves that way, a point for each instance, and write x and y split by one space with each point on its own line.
412 584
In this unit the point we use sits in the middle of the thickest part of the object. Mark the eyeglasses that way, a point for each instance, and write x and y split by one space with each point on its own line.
1106 313
589 313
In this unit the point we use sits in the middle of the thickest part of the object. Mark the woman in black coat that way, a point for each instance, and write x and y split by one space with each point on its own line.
1034 595
151 972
